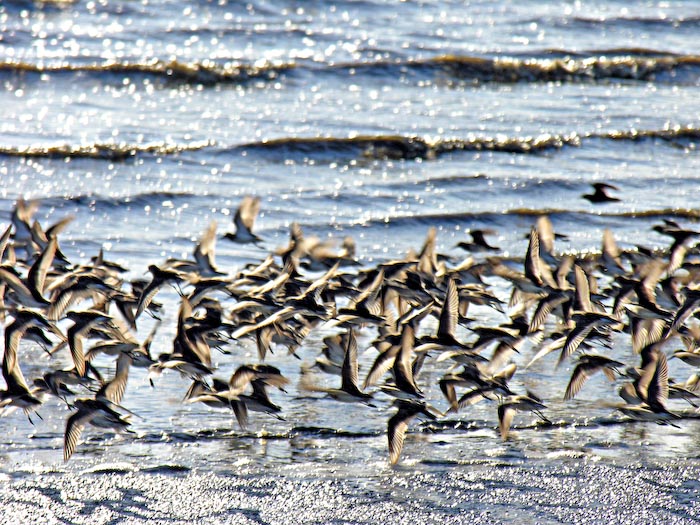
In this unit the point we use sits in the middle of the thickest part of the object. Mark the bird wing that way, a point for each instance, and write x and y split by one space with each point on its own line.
114 389
37 273
74 427
505 418
350 366
246 214
450 311
381 365
240 410
545 231
581 373
403 369
544 308
657 393
575 338
583 290
75 343
204 251
532 259
396 433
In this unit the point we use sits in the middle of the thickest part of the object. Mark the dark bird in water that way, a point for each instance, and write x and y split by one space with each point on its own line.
600 195
479 242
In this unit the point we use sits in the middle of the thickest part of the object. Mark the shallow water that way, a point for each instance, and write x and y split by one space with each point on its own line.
147 120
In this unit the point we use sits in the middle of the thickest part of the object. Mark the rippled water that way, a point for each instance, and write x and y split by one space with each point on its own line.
147 120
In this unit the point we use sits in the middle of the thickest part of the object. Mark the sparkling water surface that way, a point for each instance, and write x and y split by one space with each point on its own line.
146 120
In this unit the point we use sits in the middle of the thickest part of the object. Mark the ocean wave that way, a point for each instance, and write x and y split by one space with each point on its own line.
675 135
367 147
33 5
553 66
103 151
397 147
569 68
153 198
634 22
605 52
206 72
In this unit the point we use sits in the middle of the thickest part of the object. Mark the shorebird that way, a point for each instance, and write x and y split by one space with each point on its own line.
23 321
565 300
507 410
404 380
586 367
537 277
30 293
83 322
388 350
585 324
366 307
229 395
690 358
600 194
83 287
445 339
642 294
203 265
17 394
610 258
244 220
398 424
204 253
494 387
58 381
247 374
679 248
322 256
160 278
330 361
479 242
349 391
257 401
113 390
98 413
545 231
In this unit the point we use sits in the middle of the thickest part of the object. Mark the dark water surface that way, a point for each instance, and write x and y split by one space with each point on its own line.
148 119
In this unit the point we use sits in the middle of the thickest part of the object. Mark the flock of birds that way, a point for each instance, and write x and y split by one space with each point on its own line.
560 304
